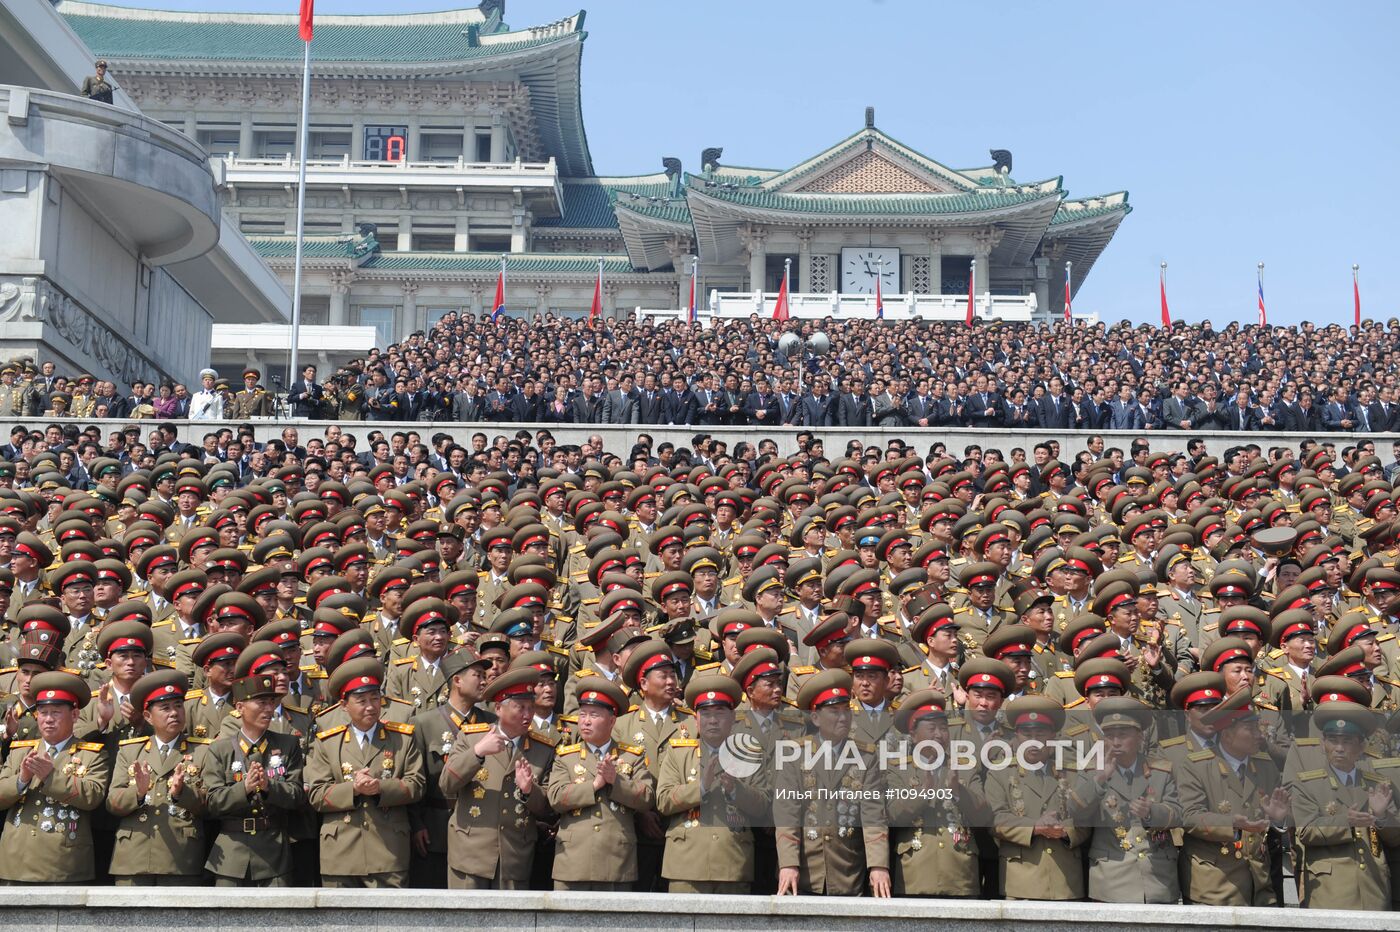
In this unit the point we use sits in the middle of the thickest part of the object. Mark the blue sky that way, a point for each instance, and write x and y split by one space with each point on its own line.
1243 130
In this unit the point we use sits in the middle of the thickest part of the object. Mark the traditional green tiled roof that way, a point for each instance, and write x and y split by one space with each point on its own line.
668 209
588 202
491 262
313 247
146 34
982 199
1088 208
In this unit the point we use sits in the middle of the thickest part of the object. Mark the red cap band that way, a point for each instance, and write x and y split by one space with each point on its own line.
762 669
834 694
359 682
168 691
125 644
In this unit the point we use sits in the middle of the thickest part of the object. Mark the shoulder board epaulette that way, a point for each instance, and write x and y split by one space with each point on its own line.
190 640
1275 653
1373 778
1160 763
589 601
556 649
1383 763
1262 755
1311 774
32 742
1388 681
1265 705
707 666
199 740
1306 742
403 660
542 738
633 707
1075 730
586 673
161 662
733 581
398 641
477 728
317 674
787 701
683 743
571 719
569 749
1278 672
399 701
908 670
139 739
168 623
962 608
1065 674
804 670
682 708
330 732
195 694
91 746
4 670
1075 703
1203 754
1172 742
632 749
398 727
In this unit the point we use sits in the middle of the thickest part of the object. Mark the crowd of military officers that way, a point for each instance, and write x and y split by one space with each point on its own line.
593 682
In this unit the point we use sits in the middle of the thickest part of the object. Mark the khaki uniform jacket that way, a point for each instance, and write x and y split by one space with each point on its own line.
172 649
1342 867
1035 868
47 837
494 827
364 835
413 680
707 832
935 850
161 834
435 731
831 842
636 727
1131 861
246 404
597 838
252 843
1225 870
204 716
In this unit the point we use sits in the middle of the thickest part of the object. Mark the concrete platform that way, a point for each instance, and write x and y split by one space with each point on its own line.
108 909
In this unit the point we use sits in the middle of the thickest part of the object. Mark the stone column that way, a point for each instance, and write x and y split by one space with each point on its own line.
517 230
985 240
462 238
804 260
1042 287
680 249
245 137
542 293
412 320
405 243
935 262
610 290
478 290
340 298
498 138
755 240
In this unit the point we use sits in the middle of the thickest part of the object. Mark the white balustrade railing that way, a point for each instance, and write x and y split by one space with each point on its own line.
810 306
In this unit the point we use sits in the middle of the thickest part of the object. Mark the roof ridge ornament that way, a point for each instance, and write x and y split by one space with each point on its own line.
869 117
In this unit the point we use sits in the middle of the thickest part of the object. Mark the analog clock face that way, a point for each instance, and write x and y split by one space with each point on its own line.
860 265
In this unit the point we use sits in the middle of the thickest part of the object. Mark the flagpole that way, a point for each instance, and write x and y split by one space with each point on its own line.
1263 315
693 312
1069 319
1356 291
301 215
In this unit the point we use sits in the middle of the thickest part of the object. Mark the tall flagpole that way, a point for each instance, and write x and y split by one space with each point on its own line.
1069 316
301 215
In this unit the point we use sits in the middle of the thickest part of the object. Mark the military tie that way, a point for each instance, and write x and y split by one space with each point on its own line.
164 751
1346 779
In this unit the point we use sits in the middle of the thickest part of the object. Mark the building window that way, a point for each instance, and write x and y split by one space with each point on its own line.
490 243
821 273
570 313
441 146
956 270
435 314
262 226
386 143
434 242
219 141
483 147
382 320
274 142
329 144
773 277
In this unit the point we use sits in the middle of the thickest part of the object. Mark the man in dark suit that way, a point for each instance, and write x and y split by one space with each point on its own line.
1382 413
1123 411
816 407
498 405
588 405
787 402
678 405
1241 414
649 401
1054 411
709 402
950 408
761 406
466 406
304 395
853 406
1016 413
1178 411
1337 413
921 406
983 407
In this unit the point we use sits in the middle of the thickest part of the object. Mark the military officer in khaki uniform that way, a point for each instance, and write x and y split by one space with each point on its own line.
253 400
254 781
205 709
1132 805
597 786
933 809
418 678
50 785
709 848
496 772
435 731
828 844
158 791
1230 797
361 778
1037 838
1345 813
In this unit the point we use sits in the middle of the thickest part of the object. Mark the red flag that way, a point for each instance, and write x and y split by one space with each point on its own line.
1068 318
780 309
596 310
306 17
971 290
1166 314
1356 295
